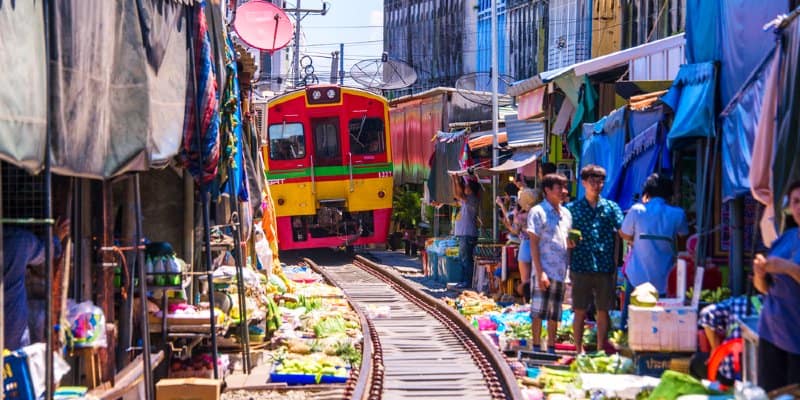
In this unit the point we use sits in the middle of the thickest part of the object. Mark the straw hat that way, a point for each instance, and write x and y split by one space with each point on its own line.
526 199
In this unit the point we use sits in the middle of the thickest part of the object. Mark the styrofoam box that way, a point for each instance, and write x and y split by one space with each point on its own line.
662 328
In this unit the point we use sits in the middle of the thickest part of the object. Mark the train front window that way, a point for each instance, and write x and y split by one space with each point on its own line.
287 141
366 136
326 141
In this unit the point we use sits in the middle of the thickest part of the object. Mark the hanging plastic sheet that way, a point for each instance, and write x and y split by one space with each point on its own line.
23 100
604 145
786 164
100 102
739 122
703 37
692 98
113 112
200 155
744 42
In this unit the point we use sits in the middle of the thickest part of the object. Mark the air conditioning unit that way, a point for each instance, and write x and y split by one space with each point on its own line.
260 109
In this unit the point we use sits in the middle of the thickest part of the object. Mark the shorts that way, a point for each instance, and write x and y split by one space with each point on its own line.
597 287
546 303
524 254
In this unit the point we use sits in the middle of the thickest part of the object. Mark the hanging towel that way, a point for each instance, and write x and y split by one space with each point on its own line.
200 155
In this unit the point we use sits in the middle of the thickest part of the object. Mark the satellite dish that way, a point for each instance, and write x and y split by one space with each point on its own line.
383 73
263 26
477 88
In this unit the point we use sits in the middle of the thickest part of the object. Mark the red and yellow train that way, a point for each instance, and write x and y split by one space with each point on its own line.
329 167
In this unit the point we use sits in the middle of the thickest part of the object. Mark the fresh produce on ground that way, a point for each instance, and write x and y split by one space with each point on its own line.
675 384
600 363
711 296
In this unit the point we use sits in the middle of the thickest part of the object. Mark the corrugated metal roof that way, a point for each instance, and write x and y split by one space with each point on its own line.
523 133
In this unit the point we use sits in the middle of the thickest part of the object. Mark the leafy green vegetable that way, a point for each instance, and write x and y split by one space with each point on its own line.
599 363
330 326
675 384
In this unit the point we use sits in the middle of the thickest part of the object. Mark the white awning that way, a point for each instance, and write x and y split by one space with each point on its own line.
598 64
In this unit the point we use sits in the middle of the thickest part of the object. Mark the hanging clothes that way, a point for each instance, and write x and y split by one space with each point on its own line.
232 172
448 155
604 145
586 111
200 149
763 147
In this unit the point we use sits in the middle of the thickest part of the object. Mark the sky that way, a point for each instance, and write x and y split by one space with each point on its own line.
356 23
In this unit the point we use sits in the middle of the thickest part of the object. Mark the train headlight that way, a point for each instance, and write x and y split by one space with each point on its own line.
381 194
281 201
316 94
331 94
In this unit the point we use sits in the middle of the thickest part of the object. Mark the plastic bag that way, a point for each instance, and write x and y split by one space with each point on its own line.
86 325
263 251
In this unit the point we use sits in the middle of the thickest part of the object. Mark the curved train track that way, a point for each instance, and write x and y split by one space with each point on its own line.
422 349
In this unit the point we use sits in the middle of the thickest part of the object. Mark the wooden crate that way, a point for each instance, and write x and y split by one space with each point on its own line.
665 329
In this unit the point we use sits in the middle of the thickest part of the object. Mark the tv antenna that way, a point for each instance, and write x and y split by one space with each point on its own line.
477 88
383 73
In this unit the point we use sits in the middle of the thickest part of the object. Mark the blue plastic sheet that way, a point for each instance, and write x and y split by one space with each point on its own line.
639 161
692 98
739 123
703 38
730 31
603 145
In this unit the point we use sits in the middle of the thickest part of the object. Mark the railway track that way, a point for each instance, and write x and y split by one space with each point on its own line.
423 349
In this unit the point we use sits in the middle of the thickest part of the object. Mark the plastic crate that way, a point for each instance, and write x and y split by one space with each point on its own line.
664 329
304 379
17 378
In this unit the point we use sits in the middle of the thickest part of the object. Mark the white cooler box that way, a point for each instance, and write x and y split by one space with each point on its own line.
662 328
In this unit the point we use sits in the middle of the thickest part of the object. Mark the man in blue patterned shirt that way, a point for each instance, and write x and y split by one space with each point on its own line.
592 264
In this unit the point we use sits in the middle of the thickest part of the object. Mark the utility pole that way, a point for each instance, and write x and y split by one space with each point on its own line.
495 122
341 64
297 19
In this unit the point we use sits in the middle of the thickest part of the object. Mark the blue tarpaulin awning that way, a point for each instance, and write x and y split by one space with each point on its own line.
692 98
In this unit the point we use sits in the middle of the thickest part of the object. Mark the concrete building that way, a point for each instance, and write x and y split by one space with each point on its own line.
436 37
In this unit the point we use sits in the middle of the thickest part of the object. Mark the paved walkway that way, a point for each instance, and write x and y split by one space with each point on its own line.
411 268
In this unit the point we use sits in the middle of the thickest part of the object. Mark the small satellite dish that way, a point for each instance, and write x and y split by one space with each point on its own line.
263 26
477 88
383 73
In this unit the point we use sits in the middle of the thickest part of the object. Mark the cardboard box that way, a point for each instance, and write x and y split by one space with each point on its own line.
188 389
665 329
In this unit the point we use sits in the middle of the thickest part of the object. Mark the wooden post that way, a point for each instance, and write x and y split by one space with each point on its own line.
103 231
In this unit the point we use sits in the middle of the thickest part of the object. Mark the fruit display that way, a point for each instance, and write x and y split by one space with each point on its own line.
711 296
318 335
471 303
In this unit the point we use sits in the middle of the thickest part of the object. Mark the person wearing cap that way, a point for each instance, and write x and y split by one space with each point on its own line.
518 226
593 270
